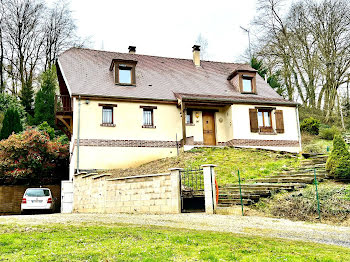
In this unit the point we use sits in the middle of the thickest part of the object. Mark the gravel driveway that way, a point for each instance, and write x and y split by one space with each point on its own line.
260 226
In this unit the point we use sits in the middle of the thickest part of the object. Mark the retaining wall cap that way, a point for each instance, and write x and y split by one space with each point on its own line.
176 168
139 176
208 165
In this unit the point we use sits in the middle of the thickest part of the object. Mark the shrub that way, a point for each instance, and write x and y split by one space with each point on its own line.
329 133
46 128
310 125
11 123
31 158
7 101
338 163
313 149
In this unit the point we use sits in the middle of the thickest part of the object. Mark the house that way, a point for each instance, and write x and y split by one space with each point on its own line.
125 109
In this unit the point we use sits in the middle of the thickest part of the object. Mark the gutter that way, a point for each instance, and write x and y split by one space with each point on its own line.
78 135
298 124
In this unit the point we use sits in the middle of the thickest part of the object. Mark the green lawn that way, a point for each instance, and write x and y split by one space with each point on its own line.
120 242
252 163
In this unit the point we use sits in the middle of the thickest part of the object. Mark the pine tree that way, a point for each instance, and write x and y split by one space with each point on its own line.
11 123
338 163
26 96
44 106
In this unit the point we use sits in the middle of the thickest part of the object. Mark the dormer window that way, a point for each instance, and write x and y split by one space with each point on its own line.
124 72
247 84
244 80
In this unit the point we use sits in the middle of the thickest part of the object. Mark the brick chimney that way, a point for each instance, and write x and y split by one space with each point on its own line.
132 49
196 50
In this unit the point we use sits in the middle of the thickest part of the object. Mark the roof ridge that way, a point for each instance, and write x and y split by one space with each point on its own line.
176 58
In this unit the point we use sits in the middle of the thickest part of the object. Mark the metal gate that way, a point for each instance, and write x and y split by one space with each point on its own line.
192 190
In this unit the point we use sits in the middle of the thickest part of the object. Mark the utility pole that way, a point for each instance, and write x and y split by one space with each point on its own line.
247 31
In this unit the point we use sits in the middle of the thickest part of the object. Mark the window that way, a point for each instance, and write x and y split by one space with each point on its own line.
107 115
189 116
147 117
247 85
264 120
125 73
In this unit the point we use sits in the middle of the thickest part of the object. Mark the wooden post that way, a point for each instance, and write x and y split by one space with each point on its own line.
183 115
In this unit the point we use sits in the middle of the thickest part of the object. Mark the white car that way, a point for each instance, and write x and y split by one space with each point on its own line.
35 199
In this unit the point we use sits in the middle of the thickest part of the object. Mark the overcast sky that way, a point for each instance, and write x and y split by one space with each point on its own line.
166 28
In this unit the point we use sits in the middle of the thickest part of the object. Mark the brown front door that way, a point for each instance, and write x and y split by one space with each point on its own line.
208 128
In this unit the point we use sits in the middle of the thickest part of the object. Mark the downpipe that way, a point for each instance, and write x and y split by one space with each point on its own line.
78 135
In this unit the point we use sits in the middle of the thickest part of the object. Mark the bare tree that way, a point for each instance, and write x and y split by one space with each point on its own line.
310 46
59 32
2 65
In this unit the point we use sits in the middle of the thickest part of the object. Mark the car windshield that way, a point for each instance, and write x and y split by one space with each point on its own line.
37 192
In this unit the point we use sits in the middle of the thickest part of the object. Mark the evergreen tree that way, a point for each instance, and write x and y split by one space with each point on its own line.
338 163
27 98
11 123
258 65
44 107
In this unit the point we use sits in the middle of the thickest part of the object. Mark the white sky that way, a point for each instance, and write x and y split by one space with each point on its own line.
166 28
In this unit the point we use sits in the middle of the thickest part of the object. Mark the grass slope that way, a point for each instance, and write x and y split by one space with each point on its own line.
252 163
302 205
132 243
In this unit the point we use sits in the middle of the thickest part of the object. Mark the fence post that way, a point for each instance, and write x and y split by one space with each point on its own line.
240 191
175 189
209 188
317 198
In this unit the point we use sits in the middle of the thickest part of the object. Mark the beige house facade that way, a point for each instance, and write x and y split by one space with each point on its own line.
123 109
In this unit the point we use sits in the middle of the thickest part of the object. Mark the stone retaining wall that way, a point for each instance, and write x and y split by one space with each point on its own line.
11 197
157 193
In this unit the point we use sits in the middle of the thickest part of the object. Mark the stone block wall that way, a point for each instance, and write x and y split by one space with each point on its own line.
11 197
152 194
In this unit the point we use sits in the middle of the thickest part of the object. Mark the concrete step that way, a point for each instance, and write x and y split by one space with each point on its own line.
237 196
232 202
261 193
303 171
264 186
305 180
298 175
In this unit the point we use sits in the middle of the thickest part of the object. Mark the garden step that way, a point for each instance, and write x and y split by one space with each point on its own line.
293 171
235 202
306 180
322 175
237 196
262 193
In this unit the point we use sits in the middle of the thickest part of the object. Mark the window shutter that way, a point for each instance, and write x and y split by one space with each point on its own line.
279 121
253 115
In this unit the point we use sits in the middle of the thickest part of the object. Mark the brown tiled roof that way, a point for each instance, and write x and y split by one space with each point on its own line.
157 78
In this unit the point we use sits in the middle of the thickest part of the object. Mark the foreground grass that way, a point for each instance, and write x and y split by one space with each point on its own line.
132 243
252 163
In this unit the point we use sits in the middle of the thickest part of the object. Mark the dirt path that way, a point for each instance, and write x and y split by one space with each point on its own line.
261 226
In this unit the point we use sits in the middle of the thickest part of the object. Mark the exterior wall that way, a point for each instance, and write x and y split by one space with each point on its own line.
155 194
128 144
195 129
11 197
242 136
